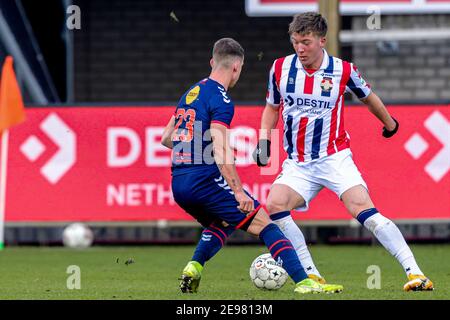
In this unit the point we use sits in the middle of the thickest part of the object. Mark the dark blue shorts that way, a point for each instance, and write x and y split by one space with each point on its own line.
207 197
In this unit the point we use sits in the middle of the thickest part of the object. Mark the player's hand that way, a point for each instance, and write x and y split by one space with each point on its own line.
246 204
389 133
261 154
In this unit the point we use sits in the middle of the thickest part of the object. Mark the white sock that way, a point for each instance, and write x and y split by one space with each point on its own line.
392 239
295 235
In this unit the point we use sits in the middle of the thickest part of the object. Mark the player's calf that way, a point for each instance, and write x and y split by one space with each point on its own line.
281 249
290 229
212 240
392 239
279 246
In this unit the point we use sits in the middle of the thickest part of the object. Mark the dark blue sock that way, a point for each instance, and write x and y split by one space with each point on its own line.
280 247
279 215
363 215
212 240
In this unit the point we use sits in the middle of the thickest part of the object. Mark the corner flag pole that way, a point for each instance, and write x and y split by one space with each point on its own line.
3 172
11 113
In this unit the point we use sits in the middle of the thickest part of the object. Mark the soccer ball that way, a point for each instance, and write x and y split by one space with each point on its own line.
77 235
266 273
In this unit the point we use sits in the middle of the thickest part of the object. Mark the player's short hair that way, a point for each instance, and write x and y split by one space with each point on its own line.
309 22
225 50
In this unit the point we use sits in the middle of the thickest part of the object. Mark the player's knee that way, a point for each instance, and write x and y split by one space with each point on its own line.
255 230
260 221
274 205
358 201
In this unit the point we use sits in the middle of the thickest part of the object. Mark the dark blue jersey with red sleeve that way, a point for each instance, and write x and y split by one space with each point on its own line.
204 103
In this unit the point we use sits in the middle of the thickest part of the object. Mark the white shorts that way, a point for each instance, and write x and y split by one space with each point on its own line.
337 172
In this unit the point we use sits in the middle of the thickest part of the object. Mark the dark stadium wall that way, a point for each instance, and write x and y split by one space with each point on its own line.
138 51
151 51
47 20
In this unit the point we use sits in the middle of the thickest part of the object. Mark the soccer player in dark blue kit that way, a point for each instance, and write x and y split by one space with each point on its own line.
205 182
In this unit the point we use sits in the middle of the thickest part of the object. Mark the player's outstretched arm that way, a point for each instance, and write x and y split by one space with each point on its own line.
166 139
269 121
377 108
224 158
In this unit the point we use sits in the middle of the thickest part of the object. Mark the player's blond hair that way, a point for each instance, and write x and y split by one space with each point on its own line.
309 22
226 50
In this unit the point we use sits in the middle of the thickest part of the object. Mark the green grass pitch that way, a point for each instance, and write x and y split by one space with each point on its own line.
41 273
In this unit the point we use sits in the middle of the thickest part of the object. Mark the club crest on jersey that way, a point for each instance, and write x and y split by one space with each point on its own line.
326 85
192 94
291 80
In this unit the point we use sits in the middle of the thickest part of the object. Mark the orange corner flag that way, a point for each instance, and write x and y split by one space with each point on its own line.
11 104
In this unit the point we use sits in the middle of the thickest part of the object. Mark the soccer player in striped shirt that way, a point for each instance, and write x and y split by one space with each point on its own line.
308 88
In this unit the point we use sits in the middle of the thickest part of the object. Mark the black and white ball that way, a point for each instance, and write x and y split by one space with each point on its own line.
266 273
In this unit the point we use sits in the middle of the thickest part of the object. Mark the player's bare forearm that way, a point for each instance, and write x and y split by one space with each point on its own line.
227 168
269 120
230 174
224 157
377 108
166 139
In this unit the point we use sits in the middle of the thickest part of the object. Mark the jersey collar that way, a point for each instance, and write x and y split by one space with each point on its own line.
218 84
323 66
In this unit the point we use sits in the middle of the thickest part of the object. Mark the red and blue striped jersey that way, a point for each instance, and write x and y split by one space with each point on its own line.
313 104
